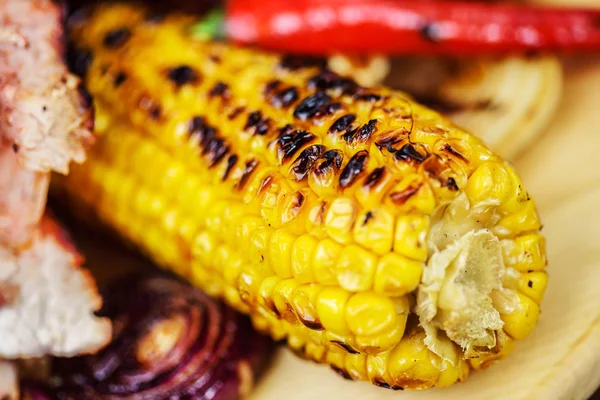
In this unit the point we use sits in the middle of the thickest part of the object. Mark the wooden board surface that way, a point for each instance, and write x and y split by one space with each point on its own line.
561 359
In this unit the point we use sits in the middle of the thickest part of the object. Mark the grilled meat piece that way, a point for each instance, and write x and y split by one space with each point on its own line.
43 112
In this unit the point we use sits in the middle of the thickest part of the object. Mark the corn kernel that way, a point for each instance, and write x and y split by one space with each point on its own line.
524 220
331 306
377 369
374 230
339 220
411 235
265 294
356 366
259 242
396 275
491 181
356 269
282 297
248 284
302 254
520 323
232 268
451 374
369 314
525 253
411 364
304 302
245 228
280 253
203 247
324 260
533 285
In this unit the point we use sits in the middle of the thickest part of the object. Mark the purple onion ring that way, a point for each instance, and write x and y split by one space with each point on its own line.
170 341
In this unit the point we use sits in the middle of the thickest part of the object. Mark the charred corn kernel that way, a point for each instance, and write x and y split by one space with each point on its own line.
525 253
302 253
533 285
282 298
396 275
280 252
265 294
356 268
324 260
331 306
304 303
411 363
318 207
369 314
374 229
411 235
521 322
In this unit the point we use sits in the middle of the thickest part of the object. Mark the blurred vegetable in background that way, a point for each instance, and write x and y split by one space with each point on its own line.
169 340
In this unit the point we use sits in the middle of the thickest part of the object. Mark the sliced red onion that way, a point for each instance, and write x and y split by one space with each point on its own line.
170 341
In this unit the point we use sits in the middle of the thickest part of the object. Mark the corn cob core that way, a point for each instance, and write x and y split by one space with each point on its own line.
362 227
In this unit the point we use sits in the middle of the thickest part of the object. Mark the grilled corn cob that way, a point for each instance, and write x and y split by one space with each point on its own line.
363 228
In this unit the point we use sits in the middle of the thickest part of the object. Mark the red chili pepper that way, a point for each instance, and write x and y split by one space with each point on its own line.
410 26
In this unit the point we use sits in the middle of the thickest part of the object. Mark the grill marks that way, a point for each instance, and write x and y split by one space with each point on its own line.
409 153
362 134
315 105
183 75
290 141
249 168
214 147
329 80
294 62
116 38
355 167
330 162
305 162
258 123
221 89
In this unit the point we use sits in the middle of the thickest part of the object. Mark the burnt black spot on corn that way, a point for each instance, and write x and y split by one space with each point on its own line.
220 89
312 106
354 168
120 77
116 37
305 161
301 199
182 75
294 62
342 123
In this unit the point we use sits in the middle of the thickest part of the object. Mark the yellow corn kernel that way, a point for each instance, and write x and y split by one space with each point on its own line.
451 374
525 219
378 370
356 366
339 220
331 307
373 345
232 268
525 253
282 297
248 284
411 364
369 314
304 303
336 359
245 228
280 252
411 235
490 181
533 285
302 254
315 352
259 244
203 247
485 360
396 275
324 260
521 322
356 269
374 230
265 294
